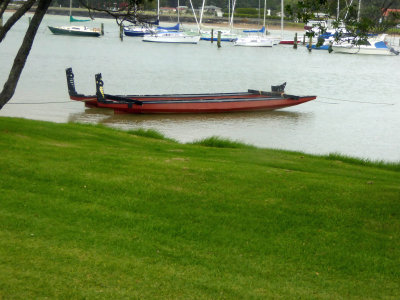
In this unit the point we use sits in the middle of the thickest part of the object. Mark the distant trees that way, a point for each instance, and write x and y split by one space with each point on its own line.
271 4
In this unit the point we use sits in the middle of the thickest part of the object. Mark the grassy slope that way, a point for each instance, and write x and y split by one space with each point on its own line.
91 212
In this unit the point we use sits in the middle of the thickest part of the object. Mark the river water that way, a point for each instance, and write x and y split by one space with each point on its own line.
357 112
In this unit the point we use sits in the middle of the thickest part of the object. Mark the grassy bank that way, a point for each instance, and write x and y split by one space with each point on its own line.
92 212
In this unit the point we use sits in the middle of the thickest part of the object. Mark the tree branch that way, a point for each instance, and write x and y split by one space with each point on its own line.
3 6
128 13
23 52
14 18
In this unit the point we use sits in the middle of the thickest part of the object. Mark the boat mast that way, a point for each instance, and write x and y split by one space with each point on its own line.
347 12
233 11
201 13
178 12
158 10
229 11
265 8
338 10
281 19
70 9
194 14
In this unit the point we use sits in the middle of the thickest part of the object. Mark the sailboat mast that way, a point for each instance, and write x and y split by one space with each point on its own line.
202 12
70 8
348 6
338 10
233 11
229 11
282 19
194 14
178 12
158 10
265 10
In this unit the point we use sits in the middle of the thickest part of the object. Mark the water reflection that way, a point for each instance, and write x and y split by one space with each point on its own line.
128 121
90 116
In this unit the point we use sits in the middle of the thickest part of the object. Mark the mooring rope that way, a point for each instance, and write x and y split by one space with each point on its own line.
327 102
41 102
346 100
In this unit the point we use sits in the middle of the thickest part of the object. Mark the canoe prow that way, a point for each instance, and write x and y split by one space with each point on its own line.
102 97
90 101
70 82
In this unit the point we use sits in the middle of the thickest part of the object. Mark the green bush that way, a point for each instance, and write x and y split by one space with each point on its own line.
150 133
219 142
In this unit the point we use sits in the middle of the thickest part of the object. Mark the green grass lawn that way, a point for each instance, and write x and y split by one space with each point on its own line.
93 212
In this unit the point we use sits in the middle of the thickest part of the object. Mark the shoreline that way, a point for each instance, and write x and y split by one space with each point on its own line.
212 22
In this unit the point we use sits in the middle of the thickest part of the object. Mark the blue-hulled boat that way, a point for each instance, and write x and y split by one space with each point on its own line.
141 31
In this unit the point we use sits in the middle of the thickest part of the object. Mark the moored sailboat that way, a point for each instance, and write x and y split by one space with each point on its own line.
254 41
256 38
74 29
224 35
373 46
172 37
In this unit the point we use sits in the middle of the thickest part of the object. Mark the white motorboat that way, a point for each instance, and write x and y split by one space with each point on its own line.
373 46
172 37
254 41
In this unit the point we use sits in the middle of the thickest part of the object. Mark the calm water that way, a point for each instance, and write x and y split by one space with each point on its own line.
357 112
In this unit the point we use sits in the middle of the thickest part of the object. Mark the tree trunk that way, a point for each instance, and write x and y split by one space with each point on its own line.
22 55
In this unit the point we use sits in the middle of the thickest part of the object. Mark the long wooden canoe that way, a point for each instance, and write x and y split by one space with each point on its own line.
186 103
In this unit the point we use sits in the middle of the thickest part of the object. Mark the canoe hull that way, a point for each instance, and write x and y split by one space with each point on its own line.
204 106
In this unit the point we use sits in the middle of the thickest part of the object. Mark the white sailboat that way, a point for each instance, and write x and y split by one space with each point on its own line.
373 46
377 45
226 35
256 40
173 37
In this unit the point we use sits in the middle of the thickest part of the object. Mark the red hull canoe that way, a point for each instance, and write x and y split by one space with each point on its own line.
203 106
185 103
